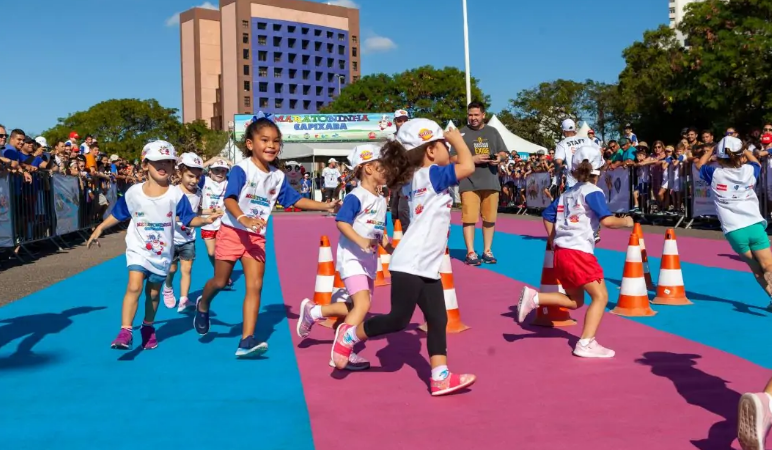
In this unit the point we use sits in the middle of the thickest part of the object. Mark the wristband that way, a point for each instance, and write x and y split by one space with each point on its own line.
239 217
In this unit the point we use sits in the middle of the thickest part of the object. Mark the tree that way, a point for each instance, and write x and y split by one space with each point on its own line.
198 138
601 109
436 94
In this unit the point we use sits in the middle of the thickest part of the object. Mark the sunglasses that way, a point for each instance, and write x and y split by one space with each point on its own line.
3 136
765 129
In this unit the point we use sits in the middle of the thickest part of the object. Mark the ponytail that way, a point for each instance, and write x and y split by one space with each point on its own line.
583 173
399 164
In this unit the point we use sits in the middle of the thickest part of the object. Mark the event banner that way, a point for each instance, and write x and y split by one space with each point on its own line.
616 187
66 203
537 186
6 225
351 127
702 201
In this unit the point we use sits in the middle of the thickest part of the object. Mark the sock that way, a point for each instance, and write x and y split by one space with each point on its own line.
129 329
585 342
536 299
316 312
145 323
439 373
351 336
770 401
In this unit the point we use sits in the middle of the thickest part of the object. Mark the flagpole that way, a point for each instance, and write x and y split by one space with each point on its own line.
466 57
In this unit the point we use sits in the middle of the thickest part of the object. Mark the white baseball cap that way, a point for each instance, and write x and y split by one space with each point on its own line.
220 164
332 160
190 160
591 154
114 158
363 154
401 113
417 132
569 125
42 141
727 145
159 151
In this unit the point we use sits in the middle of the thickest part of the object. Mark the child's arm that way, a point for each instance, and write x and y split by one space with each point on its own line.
617 222
119 213
465 165
549 217
703 160
751 157
189 218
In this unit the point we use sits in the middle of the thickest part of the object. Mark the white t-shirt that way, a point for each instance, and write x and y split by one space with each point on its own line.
421 249
150 237
182 233
367 214
565 151
213 196
733 194
331 177
257 192
577 214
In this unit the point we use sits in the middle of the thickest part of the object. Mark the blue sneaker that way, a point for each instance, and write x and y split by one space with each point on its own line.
472 259
488 258
251 348
201 320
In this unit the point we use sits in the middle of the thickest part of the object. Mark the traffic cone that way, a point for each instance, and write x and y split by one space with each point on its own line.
670 285
633 297
644 256
451 301
551 316
325 274
397 233
385 258
380 276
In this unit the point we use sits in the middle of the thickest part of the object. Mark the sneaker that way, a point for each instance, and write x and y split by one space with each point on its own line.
452 383
341 348
526 304
472 259
488 258
169 300
124 340
753 421
251 348
596 234
201 320
305 321
149 340
185 304
593 350
355 363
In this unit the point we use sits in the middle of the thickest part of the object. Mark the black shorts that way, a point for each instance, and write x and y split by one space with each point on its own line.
327 194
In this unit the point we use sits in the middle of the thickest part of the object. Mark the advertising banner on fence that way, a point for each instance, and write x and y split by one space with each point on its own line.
535 195
616 187
702 200
350 127
6 225
66 203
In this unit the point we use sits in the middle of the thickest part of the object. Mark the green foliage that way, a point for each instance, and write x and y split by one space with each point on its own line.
436 94
198 138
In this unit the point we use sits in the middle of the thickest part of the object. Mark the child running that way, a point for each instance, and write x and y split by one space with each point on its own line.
190 169
213 197
570 221
418 159
362 224
152 207
254 187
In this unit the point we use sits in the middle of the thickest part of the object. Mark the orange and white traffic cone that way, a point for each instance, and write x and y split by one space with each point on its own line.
633 297
670 285
451 301
551 316
339 294
397 233
385 258
380 276
325 274
644 256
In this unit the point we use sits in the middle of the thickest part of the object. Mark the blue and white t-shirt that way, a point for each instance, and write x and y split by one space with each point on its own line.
733 194
366 213
150 237
257 192
213 197
182 233
576 214
421 249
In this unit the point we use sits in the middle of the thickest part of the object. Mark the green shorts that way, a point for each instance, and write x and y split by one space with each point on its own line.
749 239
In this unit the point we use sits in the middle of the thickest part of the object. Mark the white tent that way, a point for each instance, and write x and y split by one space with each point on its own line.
513 141
583 130
450 126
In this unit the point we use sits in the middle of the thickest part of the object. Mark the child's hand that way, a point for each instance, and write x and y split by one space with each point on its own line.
211 218
334 207
94 238
253 224
367 245
629 223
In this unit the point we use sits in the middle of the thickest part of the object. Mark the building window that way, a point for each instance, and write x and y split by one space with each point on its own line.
277 72
318 91
291 58
263 102
317 32
354 52
291 42
293 104
330 62
342 64
304 30
277 57
261 25
247 101
304 44
317 46
278 103
329 35
306 89
276 27
330 48
331 92
263 87
318 61
672 10
291 28
245 38
306 104
293 73
276 41
319 76
262 55
262 40
247 86
245 53
354 38
319 105
341 50
342 80
246 69
356 78
278 88
306 73
262 71
245 23
293 88
305 59
354 65
330 77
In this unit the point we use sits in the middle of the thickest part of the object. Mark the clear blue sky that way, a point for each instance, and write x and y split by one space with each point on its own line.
81 52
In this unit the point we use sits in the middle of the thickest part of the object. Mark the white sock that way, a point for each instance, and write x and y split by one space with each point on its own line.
770 401
439 373
316 312
351 335
585 342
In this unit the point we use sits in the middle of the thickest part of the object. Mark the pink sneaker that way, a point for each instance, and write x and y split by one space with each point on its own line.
355 363
593 350
452 383
169 300
753 421
185 304
526 304
342 347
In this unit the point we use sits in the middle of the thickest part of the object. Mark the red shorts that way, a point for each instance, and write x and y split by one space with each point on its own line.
209 234
575 268
233 244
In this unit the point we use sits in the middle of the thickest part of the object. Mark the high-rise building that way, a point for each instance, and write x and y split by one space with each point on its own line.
288 56
677 9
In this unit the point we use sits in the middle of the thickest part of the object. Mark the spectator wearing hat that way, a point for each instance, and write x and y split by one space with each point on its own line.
630 135
593 138
331 176
400 209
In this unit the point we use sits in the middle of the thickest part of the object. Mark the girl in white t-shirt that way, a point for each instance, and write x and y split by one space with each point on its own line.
212 201
190 170
152 207
254 186
362 225
419 161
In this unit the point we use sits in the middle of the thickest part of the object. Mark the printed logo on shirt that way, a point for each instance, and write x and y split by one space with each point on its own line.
419 209
574 219
418 192
721 187
256 213
139 214
481 147
561 208
169 214
272 191
369 211
154 244
256 199
149 226
425 134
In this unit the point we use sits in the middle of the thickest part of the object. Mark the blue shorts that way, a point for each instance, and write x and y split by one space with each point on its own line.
642 188
151 277
185 252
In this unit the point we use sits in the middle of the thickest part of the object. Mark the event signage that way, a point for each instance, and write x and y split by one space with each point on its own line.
349 127
66 203
6 225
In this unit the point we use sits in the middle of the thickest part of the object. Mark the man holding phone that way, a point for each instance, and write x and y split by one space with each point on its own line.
480 192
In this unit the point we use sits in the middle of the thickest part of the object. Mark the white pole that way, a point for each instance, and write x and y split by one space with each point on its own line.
466 58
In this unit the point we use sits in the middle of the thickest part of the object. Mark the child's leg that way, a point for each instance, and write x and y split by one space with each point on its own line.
131 298
152 294
572 299
222 272
636 194
210 244
361 300
253 275
187 267
405 291
170 277
599 296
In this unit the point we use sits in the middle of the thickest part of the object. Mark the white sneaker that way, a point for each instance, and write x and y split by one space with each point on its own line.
355 363
593 350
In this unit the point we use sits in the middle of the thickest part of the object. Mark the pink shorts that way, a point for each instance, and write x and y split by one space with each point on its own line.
575 268
232 244
356 283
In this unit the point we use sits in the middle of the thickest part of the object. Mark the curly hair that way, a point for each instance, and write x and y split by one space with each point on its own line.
399 163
